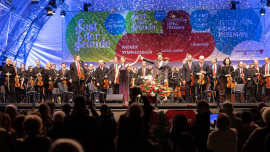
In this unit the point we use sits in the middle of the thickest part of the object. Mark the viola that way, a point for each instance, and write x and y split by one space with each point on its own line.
17 82
31 82
168 90
7 81
94 82
64 82
50 84
267 85
192 80
40 82
106 84
201 79
117 80
177 92
22 87
81 77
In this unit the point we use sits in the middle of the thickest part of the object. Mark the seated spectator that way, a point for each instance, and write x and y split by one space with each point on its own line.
80 127
52 107
108 132
180 136
134 127
11 110
66 108
225 138
201 127
24 112
267 143
249 125
257 116
18 131
66 145
44 111
236 123
238 114
33 142
57 130
255 142
6 144
260 122
36 113
6 122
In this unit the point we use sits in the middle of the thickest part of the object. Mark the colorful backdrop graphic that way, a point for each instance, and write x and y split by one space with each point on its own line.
213 33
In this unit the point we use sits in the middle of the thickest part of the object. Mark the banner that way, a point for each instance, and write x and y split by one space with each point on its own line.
237 34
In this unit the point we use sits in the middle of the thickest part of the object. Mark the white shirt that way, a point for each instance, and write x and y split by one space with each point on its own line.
267 72
214 68
159 65
77 65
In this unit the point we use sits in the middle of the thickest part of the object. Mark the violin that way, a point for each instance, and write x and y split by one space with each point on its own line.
267 85
260 78
40 82
94 82
22 87
17 82
64 82
7 81
50 84
81 77
201 79
106 84
192 80
168 89
31 82
177 92
117 80
230 83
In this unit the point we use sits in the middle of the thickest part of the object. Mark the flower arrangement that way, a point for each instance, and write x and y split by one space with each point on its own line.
153 88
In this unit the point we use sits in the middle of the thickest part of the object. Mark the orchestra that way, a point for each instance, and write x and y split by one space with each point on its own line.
191 79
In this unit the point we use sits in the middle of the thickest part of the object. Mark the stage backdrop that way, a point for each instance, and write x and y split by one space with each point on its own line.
237 34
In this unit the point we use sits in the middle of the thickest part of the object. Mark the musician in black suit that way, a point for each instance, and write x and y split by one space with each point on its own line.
38 71
64 73
23 81
144 71
113 70
215 75
8 70
249 83
265 72
240 73
100 73
160 67
17 89
188 71
201 69
75 68
56 76
255 73
227 71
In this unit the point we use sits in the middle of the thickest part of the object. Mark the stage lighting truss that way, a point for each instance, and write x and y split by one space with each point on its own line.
262 11
234 4
63 13
50 12
85 7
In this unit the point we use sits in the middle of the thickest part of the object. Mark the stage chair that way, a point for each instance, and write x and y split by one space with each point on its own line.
63 93
239 90
206 96
94 94
55 94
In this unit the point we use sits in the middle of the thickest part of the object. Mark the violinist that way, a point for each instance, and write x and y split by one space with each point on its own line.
56 76
240 73
38 71
89 74
8 71
75 68
266 75
23 81
131 77
227 71
101 72
188 72
112 75
49 75
215 75
201 80
249 83
64 73
255 73
17 89
171 75
29 76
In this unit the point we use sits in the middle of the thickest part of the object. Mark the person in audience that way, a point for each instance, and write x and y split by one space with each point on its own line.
133 126
225 138
66 145
52 107
260 122
44 111
36 113
253 110
33 142
57 130
18 131
257 116
11 110
6 122
80 127
180 135
24 112
249 125
6 144
66 108
238 114
256 140
236 123
201 127
107 132
267 143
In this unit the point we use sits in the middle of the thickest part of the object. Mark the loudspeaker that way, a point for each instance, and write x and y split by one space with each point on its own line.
115 98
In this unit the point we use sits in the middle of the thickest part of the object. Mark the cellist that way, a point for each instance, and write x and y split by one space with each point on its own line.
227 71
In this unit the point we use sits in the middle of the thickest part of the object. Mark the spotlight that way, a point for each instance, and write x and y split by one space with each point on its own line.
50 12
34 2
85 7
53 3
63 13
234 4
262 11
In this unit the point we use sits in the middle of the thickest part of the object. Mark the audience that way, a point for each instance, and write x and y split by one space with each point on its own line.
66 145
81 127
249 125
57 130
33 142
257 116
66 108
256 140
201 127
18 131
6 122
52 107
11 110
180 135
6 144
236 123
225 138
260 122
44 111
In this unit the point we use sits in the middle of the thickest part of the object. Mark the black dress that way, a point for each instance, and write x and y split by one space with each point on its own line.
48 93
